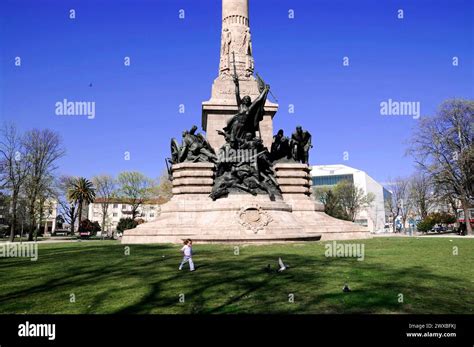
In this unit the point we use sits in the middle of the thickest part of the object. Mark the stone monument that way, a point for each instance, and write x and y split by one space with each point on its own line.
239 183
236 48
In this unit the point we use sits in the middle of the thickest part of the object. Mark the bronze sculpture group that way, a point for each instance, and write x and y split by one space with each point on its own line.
243 163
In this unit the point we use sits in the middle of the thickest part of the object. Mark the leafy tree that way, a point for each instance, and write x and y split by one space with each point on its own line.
352 199
135 188
126 223
442 218
331 203
165 187
68 208
343 201
82 192
87 225
425 225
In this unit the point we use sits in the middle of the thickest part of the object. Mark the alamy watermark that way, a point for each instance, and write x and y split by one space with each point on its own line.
37 330
400 108
75 108
230 155
19 250
345 250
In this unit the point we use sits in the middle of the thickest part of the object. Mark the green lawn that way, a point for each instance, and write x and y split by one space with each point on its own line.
104 280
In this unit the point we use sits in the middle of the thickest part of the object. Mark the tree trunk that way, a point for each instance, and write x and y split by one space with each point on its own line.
32 221
71 227
79 215
14 216
404 222
40 219
32 211
72 215
455 209
104 216
465 207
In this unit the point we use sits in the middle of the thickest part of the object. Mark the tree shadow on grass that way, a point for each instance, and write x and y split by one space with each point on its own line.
319 291
240 284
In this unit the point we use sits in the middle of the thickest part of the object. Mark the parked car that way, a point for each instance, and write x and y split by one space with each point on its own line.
85 234
439 228
62 232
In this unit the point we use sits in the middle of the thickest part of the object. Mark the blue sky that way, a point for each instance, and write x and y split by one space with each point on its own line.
174 61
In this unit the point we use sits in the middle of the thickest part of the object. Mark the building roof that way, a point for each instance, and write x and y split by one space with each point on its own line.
335 167
153 201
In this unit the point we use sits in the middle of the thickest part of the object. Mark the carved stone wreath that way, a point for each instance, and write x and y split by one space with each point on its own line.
254 218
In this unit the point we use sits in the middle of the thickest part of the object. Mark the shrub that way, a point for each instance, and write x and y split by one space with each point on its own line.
446 218
87 225
425 225
126 223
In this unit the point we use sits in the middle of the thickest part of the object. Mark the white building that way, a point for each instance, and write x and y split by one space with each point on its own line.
375 216
50 213
120 208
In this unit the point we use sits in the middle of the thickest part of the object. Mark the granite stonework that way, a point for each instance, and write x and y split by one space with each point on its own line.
236 57
191 213
241 218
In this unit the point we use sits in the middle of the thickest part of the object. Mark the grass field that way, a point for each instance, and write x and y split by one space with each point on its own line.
105 280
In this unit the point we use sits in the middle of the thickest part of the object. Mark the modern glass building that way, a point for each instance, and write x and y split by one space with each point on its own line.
375 216
331 180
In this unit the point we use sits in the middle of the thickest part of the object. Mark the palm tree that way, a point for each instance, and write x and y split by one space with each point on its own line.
82 191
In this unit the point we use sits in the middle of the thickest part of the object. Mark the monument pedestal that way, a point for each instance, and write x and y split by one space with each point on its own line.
191 213
222 106
241 218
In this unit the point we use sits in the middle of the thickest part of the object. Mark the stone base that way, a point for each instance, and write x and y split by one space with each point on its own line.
237 218
241 218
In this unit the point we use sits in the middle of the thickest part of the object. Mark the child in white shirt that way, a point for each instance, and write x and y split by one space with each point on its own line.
188 255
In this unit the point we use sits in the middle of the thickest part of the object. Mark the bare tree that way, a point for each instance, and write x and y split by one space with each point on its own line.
13 168
136 188
421 194
45 194
43 149
443 148
106 189
401 204
67 207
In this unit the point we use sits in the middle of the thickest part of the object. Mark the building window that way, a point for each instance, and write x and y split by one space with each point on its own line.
115 214
387 195
115 205
152 207
331 180
152 215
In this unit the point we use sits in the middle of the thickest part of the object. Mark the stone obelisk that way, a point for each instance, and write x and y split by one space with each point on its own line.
236 49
